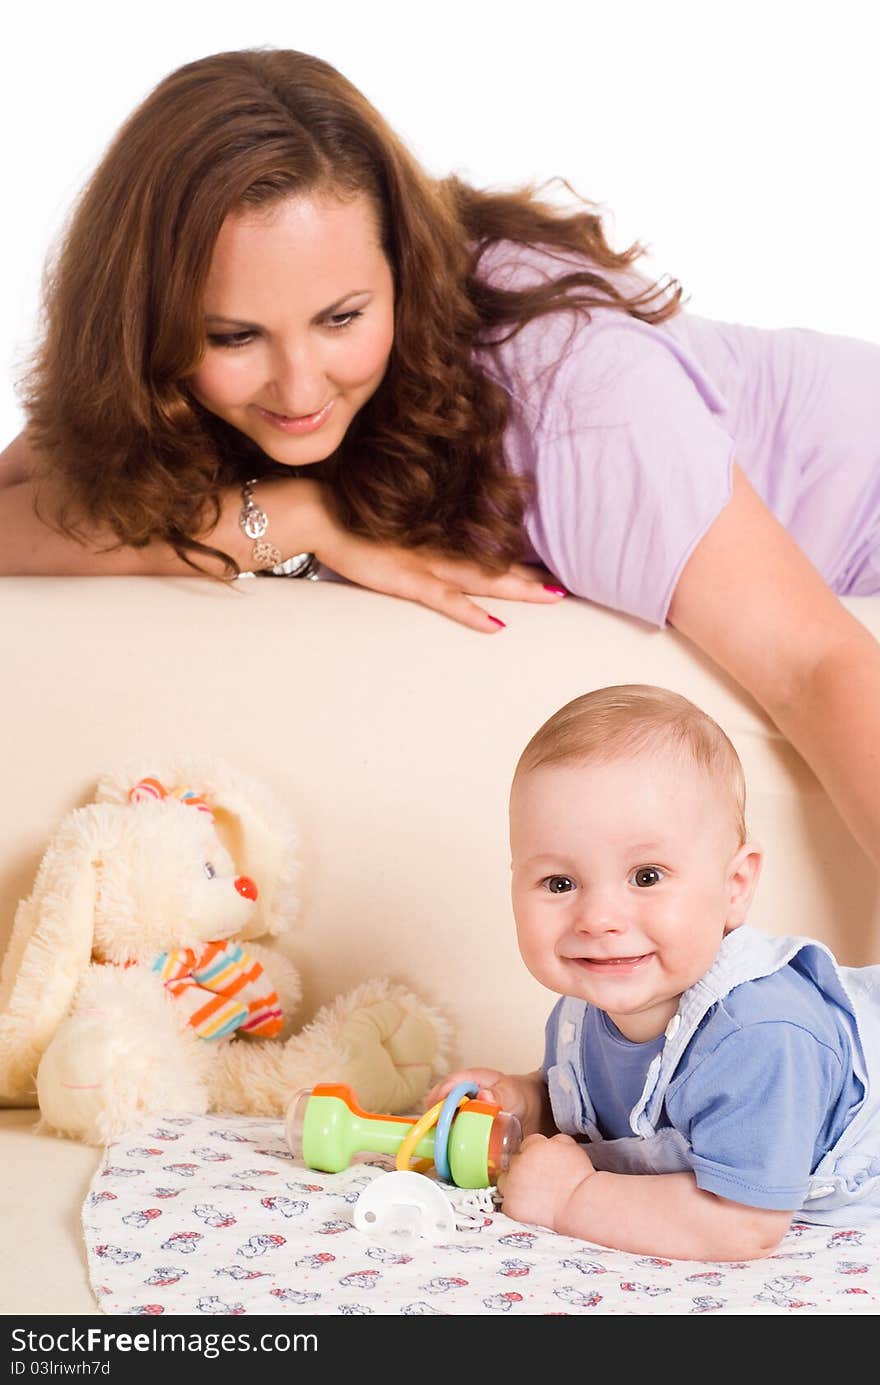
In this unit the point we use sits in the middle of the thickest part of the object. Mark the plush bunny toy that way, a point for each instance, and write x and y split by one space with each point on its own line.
131 986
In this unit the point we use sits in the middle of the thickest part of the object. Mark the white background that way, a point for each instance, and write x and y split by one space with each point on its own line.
737 140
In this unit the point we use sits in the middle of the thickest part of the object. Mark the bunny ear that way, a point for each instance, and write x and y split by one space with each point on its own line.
50 948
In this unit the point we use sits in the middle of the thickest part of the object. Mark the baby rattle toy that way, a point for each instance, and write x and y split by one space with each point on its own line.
469 1142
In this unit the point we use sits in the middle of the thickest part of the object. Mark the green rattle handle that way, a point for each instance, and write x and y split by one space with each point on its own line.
325 1127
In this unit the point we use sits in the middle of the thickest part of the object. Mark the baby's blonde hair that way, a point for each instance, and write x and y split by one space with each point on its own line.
632 719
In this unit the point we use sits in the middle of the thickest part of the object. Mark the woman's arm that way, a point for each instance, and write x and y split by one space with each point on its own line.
301 519
756 605
30 545
553 1183
15 462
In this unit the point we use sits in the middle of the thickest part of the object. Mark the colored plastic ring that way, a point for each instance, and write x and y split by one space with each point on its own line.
411 1139
459 1093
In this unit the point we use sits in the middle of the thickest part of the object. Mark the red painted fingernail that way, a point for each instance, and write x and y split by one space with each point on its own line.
496 621
557 591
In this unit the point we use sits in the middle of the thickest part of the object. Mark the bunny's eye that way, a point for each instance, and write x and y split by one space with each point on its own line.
209 870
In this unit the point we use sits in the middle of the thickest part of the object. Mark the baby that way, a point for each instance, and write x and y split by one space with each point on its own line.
709 1081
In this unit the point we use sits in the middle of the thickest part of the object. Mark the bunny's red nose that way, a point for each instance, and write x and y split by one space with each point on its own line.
246 886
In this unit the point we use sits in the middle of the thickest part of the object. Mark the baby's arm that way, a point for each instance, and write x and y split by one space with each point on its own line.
524 1095
551 1182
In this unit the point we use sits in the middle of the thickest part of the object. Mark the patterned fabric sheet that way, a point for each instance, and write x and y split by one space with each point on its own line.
208 1214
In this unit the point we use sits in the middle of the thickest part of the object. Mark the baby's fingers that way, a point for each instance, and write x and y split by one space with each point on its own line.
484 1078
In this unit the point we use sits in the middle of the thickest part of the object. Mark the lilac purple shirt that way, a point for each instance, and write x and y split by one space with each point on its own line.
631 430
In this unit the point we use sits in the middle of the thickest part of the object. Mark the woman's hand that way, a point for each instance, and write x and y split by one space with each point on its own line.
429 578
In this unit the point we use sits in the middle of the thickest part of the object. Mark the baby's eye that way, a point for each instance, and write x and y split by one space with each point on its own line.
645 876
210 870
558 884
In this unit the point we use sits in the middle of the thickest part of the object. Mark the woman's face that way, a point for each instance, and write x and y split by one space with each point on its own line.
299 321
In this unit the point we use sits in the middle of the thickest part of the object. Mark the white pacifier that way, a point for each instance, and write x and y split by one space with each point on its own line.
406 1204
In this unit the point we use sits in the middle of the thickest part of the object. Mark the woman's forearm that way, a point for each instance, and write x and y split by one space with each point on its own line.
834 722
31 545
751 599
667 1214
16 461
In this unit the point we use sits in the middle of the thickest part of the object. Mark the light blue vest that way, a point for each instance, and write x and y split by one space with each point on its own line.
845 1185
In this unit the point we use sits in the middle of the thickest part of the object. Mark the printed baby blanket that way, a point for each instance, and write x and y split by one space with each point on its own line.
210 1215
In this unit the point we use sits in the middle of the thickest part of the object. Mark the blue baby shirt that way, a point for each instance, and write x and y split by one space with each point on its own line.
615 1069
764 1088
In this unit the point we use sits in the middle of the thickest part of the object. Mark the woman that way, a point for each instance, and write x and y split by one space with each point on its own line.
270 335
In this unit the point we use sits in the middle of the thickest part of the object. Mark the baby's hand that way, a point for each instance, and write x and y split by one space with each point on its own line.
524 1096
485 1079
542 1179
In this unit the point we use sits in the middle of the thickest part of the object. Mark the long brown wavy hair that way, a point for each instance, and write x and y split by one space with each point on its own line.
106 397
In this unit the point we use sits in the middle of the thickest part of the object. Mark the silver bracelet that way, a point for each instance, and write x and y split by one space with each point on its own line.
266 557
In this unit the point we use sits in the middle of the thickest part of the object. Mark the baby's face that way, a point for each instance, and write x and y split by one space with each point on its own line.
626 876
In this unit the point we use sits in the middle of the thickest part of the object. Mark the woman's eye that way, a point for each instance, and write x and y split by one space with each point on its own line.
209 870
559 884
340 320
231 339
646 876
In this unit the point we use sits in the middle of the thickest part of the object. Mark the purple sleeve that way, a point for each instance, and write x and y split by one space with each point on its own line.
632 466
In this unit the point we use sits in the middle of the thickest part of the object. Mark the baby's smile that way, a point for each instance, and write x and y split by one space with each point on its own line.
612 966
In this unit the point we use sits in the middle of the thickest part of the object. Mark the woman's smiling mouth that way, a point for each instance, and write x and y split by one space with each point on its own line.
305 423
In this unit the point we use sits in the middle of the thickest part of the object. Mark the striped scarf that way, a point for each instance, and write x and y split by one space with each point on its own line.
223 988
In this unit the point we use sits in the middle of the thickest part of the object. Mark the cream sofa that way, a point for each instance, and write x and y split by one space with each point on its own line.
393 733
